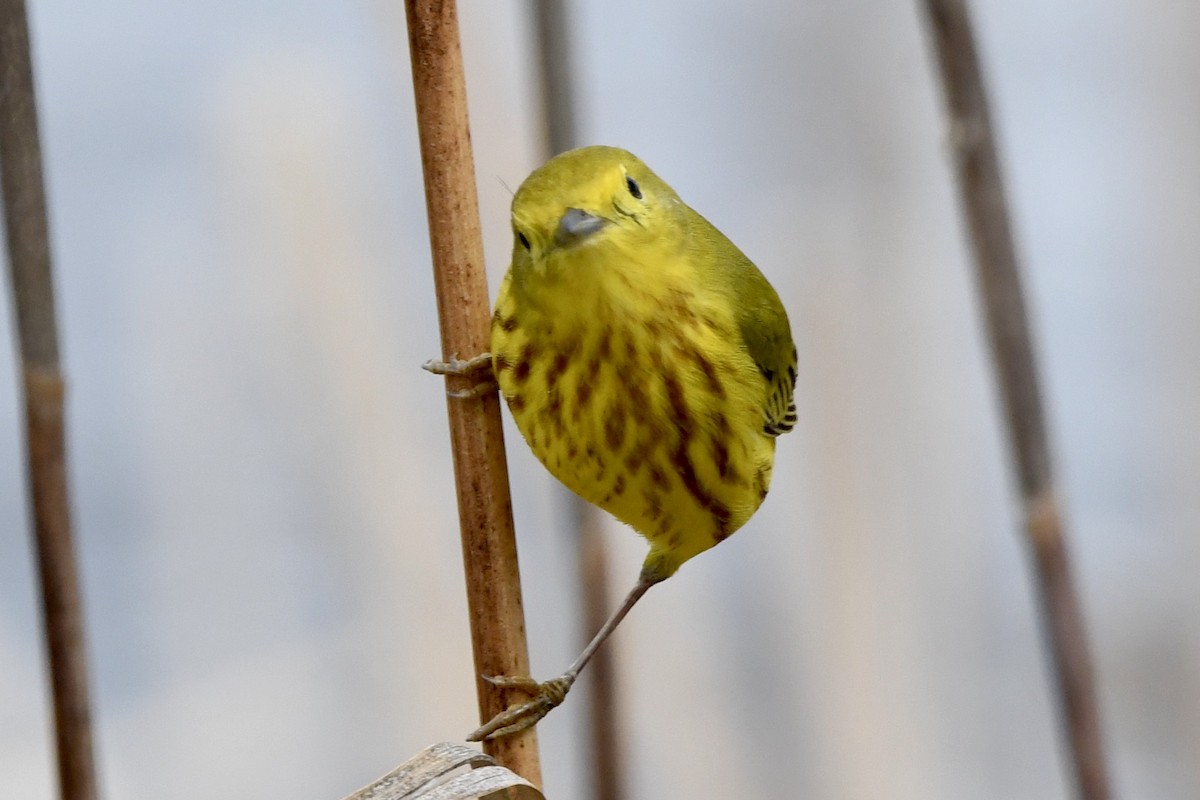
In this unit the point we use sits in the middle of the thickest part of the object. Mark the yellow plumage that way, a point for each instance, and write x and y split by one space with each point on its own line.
647 362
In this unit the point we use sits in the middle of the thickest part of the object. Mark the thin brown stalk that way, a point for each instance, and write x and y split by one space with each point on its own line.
484 506
981 192
555 74
37 332
605 756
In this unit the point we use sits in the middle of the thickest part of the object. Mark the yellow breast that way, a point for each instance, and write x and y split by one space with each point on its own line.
642 402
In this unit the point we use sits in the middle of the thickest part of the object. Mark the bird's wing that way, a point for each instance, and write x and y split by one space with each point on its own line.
761 320
764 327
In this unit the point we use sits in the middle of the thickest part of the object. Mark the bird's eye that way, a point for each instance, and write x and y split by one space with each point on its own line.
523 239
633 187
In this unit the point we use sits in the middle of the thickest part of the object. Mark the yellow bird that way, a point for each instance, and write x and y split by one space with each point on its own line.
646 361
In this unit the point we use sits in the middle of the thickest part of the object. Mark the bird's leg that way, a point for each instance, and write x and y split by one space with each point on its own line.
550 694
479 368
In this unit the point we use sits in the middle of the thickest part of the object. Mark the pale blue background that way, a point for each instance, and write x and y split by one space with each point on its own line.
263 492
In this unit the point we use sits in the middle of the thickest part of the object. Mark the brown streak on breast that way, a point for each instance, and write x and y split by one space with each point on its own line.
710 374
720 453
525 362
682 460
614 428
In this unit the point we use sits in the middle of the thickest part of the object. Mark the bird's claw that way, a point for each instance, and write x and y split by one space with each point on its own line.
479 368
546 697
458 366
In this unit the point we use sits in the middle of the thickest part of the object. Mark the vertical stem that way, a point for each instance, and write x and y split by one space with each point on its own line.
555 75
606 757
556 79
981 192
484 506
33 294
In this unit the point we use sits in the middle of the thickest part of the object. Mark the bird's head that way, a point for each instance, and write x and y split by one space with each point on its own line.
599 201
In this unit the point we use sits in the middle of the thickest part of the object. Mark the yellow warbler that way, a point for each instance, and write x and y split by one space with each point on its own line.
647 362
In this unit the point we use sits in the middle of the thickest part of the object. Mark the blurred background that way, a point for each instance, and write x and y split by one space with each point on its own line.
264 503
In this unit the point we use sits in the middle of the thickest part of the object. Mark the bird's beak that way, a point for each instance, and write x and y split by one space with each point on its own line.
574 226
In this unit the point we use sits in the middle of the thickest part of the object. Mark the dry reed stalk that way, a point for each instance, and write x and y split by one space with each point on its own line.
37 332
981 192
484 506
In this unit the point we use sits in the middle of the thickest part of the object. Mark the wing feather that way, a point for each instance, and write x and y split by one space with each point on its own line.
761 320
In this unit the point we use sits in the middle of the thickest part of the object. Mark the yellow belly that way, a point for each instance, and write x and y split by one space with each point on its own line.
657 418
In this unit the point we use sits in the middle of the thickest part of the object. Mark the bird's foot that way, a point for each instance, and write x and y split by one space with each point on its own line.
479 368
546 697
